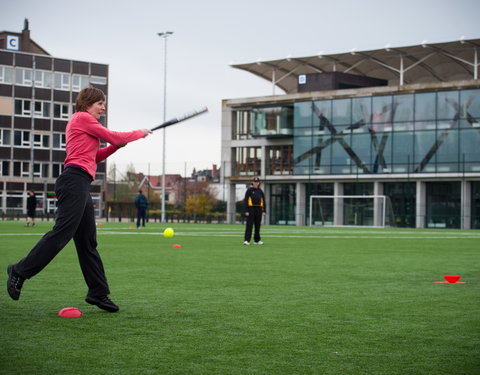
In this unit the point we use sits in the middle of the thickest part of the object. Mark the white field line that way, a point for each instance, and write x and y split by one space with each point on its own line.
307 232
299 234
316 235
271 236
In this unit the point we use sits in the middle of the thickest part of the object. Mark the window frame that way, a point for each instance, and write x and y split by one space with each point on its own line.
83 82
4 136
62 141
44 111
45 79
4 76
24 112
23 80
62 114
24 138
40 144
62 85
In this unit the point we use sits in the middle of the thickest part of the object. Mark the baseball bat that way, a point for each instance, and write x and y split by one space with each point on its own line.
184 117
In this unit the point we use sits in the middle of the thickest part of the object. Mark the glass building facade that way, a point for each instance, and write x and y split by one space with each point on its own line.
426 133
409 133
397 139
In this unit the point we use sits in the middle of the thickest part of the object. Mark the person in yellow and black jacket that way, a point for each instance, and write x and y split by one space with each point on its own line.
255 208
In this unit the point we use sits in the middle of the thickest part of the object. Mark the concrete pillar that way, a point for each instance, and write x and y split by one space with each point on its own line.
264 186
466 219
300 213
4 198
266 191
338 204
421 204
25 197
231 209
378 204
263 165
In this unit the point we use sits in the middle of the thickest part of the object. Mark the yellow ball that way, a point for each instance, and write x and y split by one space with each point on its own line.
168 233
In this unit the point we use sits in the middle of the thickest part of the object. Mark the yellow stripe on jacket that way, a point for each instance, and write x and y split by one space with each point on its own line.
250 204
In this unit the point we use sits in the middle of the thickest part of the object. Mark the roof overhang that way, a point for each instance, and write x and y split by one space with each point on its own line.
439 62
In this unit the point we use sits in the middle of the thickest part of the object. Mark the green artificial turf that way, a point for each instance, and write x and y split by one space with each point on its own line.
309 301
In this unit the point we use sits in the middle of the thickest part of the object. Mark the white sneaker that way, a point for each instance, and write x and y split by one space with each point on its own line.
258 243
246 243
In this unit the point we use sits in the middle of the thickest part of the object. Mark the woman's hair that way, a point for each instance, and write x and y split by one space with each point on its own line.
87 97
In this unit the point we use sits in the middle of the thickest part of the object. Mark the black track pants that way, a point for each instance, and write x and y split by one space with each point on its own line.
254 219
75 219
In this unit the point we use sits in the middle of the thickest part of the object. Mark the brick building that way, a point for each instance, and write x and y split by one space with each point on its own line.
37 97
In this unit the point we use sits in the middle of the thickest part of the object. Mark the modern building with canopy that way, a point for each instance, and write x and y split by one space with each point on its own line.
381 137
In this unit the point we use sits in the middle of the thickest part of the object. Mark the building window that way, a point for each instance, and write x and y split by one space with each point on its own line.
282 204
247 161
272 121
5 168
241 124
21 138
41 141
6 75
62 81
23 77
325 188
23 107
443 204
342 112
59 142
475 198
21 169
425 106
57 169
40 170
61 111
79 82
42 109
5 137
275 121
98 80
43 79
279 160
402 197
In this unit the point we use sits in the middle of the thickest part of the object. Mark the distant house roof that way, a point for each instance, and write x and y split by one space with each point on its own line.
155 182
426 62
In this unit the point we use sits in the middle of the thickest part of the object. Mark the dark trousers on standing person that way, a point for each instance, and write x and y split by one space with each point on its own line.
254 219
75 219
141 215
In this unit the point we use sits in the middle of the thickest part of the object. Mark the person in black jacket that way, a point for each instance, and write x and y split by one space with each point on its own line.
141 202
31 207
255 208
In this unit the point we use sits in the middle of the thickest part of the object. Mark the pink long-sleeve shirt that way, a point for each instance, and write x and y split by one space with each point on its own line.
83 136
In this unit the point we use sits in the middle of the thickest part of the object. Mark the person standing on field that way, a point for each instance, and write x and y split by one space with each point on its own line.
255 209
31 208
141 203
76 215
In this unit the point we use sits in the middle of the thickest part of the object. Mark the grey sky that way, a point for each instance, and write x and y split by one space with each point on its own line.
208 36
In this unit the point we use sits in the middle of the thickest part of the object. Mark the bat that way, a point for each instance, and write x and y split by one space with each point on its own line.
184 117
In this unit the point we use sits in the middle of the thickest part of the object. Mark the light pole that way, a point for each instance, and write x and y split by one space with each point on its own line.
165 36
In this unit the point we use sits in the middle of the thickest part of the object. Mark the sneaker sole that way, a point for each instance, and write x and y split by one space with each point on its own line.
102 306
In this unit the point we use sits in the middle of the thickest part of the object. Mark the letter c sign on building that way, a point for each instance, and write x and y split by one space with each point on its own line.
13 42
